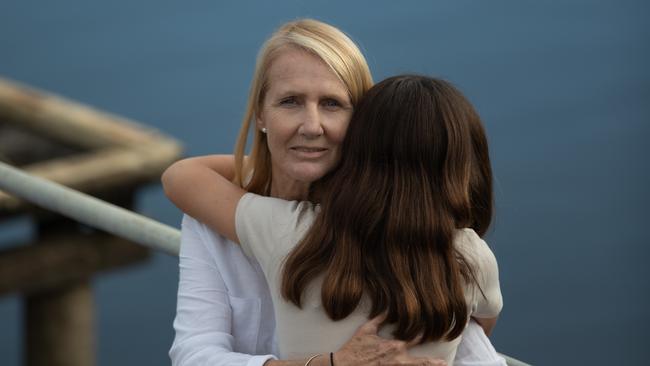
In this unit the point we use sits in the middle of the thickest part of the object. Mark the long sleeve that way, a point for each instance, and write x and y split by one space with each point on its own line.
475 349
214 324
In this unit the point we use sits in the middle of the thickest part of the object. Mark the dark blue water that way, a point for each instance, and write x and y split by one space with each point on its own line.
563 88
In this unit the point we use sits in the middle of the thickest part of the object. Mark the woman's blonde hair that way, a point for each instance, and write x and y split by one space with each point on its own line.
332 46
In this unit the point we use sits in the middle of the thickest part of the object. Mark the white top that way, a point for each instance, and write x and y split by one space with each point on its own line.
269 228
221 290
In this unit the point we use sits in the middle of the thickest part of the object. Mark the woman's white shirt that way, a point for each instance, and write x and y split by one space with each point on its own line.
224 313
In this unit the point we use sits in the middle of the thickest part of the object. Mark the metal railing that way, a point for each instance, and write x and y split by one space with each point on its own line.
89 210
103 215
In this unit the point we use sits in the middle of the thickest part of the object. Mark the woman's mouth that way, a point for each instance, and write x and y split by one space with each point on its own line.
309 152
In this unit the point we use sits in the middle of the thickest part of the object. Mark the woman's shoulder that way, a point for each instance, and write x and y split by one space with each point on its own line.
196 234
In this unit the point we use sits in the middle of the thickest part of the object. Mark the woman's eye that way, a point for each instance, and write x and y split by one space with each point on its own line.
290 101
331 103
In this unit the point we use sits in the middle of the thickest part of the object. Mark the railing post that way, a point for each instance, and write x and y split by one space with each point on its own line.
60 321
60 326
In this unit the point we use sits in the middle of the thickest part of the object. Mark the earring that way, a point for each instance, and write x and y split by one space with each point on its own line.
264 130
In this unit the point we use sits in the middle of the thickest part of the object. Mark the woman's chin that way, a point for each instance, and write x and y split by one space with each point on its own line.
309 172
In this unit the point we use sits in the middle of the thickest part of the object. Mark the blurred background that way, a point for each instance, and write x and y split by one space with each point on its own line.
563 89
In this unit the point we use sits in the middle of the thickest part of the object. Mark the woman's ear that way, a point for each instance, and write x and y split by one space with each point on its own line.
260 124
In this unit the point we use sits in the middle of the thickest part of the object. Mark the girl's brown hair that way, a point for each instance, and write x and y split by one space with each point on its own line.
416 156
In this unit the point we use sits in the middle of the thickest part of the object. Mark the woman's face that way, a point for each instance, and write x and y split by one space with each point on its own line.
305 111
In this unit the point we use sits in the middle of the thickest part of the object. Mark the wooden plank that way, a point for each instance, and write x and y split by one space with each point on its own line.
69 122
124 153
19 147
64 259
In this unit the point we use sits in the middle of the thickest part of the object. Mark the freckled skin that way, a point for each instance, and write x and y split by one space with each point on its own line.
306 112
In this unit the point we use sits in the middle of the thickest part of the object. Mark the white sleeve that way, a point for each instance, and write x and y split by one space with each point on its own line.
488 277
203 323
475 349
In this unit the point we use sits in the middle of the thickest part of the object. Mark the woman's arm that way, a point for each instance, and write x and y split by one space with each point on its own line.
201 188
475 348
487 324
206 321
366 348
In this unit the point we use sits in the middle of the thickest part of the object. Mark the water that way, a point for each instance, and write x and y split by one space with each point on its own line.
562 87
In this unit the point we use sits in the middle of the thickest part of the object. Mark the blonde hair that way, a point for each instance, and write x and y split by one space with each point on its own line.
332 46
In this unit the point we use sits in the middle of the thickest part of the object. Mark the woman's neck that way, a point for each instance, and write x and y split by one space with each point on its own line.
289 189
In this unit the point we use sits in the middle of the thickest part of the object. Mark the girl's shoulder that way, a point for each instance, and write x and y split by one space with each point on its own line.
473 247
255 204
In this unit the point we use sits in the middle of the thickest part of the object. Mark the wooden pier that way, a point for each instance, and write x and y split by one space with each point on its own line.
90 151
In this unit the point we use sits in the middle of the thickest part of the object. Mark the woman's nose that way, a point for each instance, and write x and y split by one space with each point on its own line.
311 125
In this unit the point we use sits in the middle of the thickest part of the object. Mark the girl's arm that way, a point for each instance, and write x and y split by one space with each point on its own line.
201 187
490 301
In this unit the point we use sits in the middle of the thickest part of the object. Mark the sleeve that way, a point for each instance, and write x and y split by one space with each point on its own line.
487 273
475 349
203 334
264 225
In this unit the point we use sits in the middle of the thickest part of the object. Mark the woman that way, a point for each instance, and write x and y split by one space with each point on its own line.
224 310
394 233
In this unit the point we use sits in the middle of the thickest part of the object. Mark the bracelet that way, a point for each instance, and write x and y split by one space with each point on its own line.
331 358
311 358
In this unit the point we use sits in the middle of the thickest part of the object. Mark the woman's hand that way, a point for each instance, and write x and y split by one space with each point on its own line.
367 348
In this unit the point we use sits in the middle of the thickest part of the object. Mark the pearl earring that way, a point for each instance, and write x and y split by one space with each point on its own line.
264 130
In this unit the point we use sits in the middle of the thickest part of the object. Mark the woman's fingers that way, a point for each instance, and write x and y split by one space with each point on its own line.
433 362
414 342
367 348
371 326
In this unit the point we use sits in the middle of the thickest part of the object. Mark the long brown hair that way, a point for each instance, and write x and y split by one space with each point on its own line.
414 169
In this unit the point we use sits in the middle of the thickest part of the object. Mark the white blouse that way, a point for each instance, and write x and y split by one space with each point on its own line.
224 313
